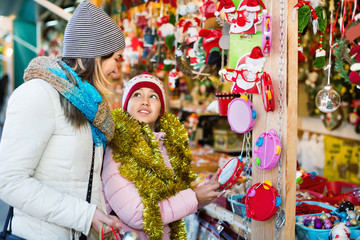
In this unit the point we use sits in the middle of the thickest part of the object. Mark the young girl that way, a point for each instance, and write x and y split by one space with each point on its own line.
147 171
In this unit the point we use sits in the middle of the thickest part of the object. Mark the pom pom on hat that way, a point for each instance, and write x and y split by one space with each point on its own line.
87 28
144 80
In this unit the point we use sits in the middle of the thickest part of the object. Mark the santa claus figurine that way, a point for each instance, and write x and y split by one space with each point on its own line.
247 75
246 17
173 79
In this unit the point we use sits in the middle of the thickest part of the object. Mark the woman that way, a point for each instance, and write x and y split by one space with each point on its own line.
150 163
57 125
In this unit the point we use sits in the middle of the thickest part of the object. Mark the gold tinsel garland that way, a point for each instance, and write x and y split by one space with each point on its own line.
137 149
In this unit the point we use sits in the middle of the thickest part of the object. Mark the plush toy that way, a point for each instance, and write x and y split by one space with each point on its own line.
208 10
173 79
189 29
210 34
211 39
167 31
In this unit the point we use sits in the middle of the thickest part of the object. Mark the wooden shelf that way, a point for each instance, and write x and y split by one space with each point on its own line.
315 125
236 221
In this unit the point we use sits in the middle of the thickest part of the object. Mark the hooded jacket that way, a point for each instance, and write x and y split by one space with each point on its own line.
45 164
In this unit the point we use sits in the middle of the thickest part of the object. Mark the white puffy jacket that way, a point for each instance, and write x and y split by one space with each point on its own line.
45 165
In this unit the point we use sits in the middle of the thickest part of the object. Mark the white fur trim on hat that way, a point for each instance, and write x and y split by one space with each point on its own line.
144 80
255 61
320 53
355 67
252 9
229 10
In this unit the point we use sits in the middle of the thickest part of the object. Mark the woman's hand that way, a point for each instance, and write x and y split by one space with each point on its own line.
205 194
111 221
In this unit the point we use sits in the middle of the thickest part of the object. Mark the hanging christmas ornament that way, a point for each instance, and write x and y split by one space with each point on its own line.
328 100
332 120
320 53
304 9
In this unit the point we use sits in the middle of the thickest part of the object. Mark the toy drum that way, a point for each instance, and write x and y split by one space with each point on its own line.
267 92
262 201
268 150
241 115
230 172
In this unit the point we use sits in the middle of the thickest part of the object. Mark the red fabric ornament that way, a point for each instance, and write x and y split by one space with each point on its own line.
356 50
228 6
256 53
208 9
252 5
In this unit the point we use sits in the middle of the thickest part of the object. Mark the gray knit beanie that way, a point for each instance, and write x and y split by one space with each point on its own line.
91 33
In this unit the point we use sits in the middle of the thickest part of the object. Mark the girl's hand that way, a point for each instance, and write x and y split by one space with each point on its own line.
111 221
213 179
205 194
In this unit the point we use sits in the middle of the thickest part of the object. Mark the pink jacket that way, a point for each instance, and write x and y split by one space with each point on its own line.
122 196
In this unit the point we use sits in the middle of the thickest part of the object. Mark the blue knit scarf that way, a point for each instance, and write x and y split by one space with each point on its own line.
83 96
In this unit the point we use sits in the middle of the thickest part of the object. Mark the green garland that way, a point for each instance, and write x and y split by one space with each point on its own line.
339 60
142 163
